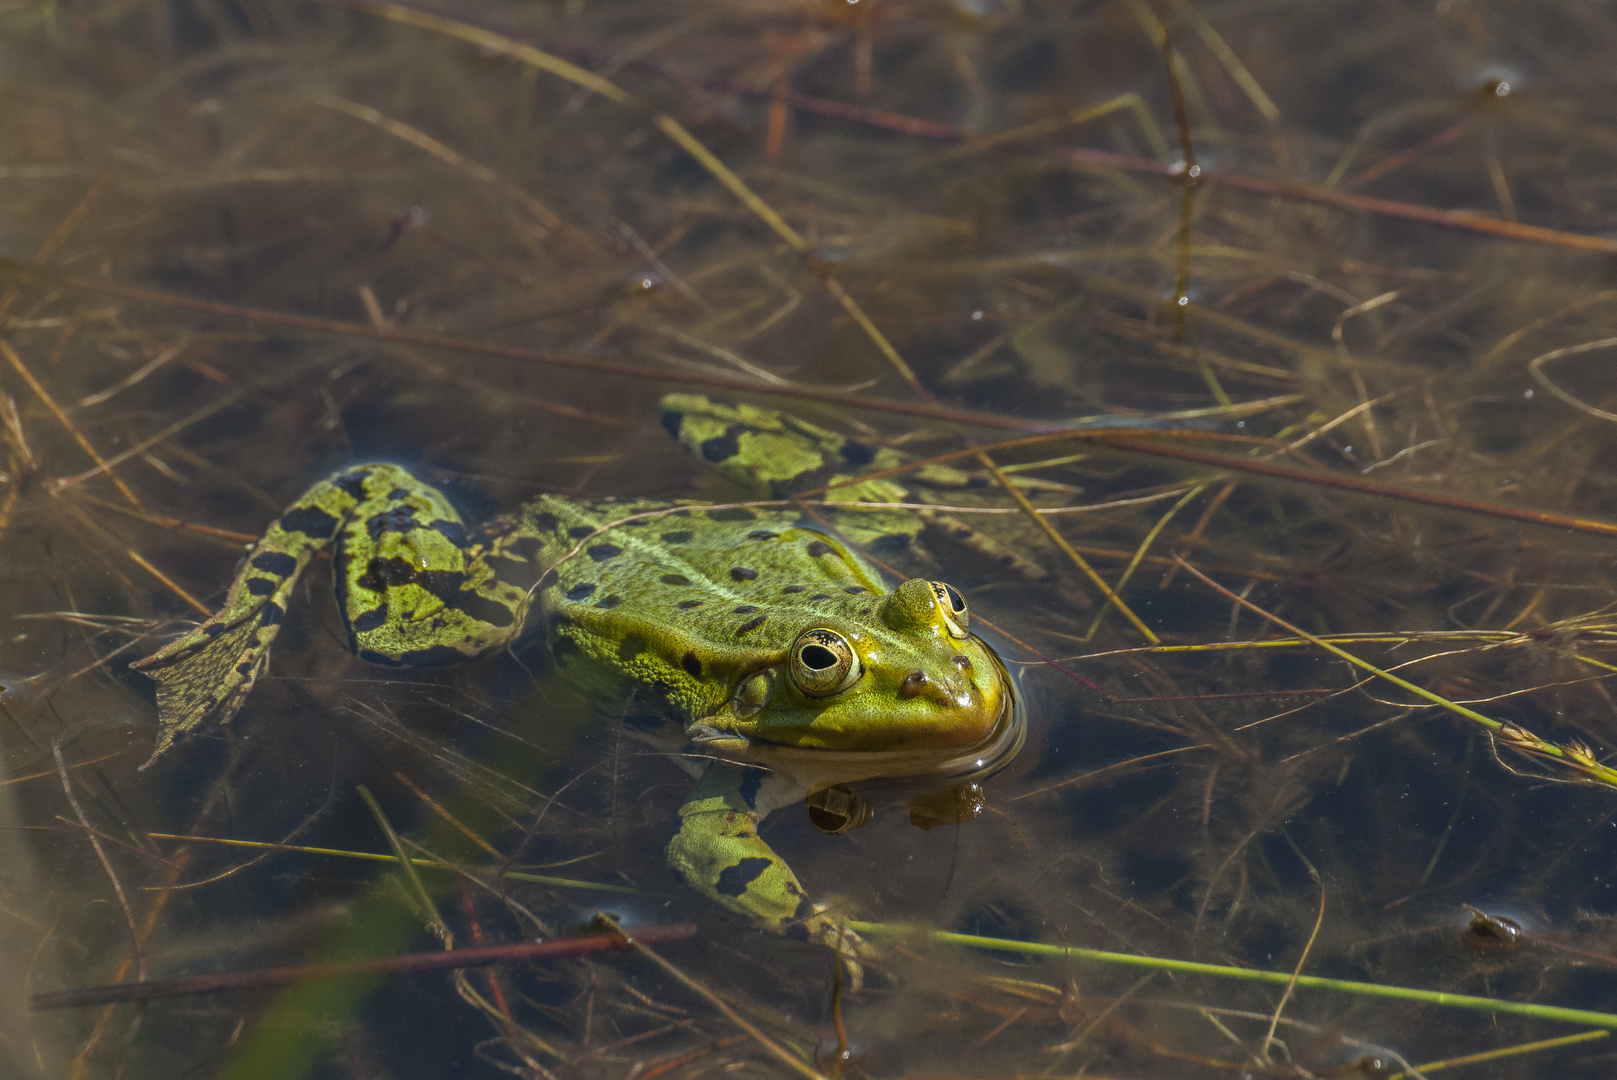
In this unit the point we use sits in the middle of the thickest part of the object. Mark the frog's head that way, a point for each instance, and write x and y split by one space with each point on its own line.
905 677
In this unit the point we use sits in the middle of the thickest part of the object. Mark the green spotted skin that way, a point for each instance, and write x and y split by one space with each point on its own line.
717 617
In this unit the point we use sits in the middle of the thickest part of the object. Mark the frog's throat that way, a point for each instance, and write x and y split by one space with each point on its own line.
815 768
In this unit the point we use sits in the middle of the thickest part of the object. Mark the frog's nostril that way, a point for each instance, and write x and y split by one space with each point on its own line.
962 662
914 683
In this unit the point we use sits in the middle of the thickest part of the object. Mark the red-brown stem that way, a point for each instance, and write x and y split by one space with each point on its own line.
409 963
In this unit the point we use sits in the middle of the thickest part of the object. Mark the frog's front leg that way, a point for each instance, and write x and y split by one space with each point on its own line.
719 853
412 592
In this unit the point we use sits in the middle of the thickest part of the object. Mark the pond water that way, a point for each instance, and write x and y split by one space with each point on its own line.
1344 717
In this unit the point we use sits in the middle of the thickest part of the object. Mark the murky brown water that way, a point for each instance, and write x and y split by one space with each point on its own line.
1255 807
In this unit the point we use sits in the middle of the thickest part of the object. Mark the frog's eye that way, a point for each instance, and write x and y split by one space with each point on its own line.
954 608
824 663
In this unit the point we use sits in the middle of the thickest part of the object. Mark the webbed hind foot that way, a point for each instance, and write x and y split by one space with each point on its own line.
208 673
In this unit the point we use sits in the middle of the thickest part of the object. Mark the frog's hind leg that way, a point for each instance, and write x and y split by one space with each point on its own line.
400 552
208 672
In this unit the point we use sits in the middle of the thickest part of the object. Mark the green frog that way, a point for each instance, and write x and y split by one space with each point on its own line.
791 666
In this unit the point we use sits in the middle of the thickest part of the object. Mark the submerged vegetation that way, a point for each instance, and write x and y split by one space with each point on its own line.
1273 336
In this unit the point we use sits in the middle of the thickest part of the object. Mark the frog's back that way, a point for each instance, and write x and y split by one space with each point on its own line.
682 598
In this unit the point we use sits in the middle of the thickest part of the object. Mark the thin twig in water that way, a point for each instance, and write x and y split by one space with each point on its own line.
95 842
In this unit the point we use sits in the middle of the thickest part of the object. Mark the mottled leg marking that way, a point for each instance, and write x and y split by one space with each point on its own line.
718 852
410 593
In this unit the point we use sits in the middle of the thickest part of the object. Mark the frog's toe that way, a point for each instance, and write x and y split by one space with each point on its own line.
830 930
206 675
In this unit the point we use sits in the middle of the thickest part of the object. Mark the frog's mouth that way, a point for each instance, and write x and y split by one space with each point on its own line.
814 768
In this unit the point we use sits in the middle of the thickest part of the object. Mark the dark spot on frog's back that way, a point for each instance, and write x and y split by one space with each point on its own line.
579 592
692 664
761 534
733 880
722 448
270 614
609 601
603 552
686 605
817 548
674 579
261 586
382 574
274 562
751 625
683 536
352 485
545 521
732 513
311 521
630 647
672 419
742 573
400 519
578 532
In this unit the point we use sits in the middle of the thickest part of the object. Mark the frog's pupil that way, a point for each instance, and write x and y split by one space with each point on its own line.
817 657
956 601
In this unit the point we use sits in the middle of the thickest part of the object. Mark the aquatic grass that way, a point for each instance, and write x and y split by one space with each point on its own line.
672 128
456 960
1325 192
418 862
1500 1054
1038 129
1066 548
774 1049
1382 991
1127 437
1574 756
